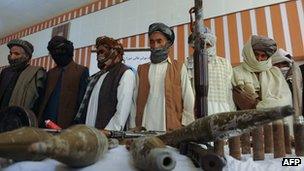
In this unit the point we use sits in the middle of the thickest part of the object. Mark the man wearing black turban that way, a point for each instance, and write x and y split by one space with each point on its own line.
163 95
20 83
66 84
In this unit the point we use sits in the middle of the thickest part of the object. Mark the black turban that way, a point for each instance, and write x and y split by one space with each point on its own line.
61 44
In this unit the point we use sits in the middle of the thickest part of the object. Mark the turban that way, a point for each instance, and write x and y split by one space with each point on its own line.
59 43
110 43
27 46
264 44
281 56
164 29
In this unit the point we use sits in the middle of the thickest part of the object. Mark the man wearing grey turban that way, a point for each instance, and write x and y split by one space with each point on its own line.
163 97
263 84
21 84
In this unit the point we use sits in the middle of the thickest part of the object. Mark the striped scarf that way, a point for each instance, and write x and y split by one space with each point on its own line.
81 114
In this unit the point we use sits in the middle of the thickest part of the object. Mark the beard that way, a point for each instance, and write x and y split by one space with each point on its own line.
19 63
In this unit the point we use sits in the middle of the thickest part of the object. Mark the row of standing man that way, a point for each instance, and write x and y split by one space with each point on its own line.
159 96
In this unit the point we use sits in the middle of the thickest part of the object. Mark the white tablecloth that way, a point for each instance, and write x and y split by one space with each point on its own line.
119 159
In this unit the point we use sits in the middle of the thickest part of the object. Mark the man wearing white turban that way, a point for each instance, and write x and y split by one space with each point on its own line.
219 76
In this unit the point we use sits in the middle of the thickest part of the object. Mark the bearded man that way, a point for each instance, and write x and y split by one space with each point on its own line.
163 97
262 84
107 101
21 84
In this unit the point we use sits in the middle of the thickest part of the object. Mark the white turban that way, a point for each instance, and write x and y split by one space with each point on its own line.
281 56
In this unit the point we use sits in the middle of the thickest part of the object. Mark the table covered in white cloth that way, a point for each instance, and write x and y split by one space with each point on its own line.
119 159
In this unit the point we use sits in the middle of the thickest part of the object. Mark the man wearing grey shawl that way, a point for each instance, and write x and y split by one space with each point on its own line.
263 84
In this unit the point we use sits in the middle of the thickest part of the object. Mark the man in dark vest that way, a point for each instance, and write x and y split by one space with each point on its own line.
107 101
163 95
21 84
65 86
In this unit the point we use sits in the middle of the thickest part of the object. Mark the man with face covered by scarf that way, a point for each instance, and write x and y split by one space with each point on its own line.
284 61
258 84
263 83
107 101
20 83
292 73
219 76
66 84
163 97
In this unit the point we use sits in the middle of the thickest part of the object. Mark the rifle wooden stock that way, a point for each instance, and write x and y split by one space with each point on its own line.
258 143
235 147
287 139
268 138
299 137
219 147
150 153
246 143
278 139
224 125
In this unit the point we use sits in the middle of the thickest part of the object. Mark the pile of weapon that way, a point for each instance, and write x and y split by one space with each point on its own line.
273 138
80 145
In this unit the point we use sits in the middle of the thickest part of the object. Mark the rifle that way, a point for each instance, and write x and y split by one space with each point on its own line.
200 62
202 157
52 127
130 134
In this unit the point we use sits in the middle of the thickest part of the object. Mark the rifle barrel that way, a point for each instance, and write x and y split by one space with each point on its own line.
200 64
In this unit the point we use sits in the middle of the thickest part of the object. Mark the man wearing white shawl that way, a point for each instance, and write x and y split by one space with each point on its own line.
219 75
258 78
